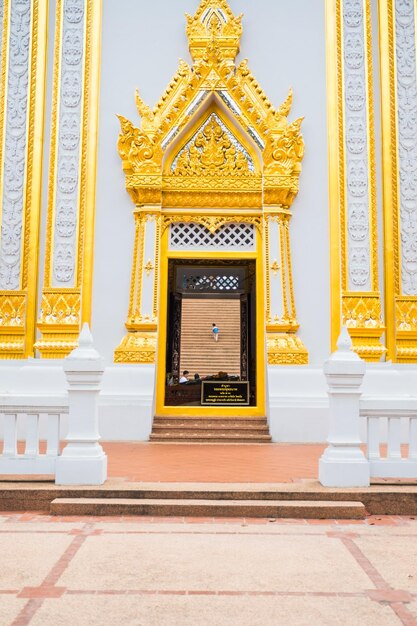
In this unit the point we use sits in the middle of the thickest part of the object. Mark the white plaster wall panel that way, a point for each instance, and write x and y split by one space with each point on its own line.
148 276
15 143
141 45
405 39
68 152
275 281
356 143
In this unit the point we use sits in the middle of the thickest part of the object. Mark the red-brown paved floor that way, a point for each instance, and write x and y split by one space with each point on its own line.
263 463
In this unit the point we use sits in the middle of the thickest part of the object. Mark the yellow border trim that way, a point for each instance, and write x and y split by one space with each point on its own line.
95 24
35 158
389 160
333 155
255 411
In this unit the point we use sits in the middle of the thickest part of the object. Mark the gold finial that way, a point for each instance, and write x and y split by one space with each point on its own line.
215 22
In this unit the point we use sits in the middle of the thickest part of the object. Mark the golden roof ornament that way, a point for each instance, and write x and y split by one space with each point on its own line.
271 147
214 21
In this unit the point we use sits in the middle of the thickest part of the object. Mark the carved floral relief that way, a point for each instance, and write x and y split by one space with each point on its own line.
15 145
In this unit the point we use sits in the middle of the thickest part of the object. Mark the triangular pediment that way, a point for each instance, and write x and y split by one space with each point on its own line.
214 36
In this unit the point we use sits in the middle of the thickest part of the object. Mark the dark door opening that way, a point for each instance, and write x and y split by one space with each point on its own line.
202 368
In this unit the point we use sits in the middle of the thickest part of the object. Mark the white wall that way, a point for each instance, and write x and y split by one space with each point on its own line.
284 41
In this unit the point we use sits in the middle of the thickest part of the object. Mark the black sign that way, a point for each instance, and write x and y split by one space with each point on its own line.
224 393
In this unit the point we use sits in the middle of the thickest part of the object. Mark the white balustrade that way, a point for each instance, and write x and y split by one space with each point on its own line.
21 425
391 425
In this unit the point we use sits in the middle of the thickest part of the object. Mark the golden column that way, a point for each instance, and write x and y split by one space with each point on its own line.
22 103
355 294
139 344
66 294
397 21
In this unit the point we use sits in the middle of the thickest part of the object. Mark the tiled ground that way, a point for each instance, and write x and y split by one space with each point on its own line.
223 463
211 572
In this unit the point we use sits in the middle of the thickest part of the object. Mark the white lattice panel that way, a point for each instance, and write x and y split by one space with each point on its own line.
192 236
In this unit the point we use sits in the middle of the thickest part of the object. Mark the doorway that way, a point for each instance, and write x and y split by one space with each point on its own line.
204 375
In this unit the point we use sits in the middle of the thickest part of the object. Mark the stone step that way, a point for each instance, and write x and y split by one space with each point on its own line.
210 437
213 418
189 429
212 426
378 500
305 509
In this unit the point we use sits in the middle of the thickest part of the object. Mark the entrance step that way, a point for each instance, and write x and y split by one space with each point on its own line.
210 430
306 509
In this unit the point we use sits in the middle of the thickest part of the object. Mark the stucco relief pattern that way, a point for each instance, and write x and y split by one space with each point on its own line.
356 144
70 103
15 145
407 140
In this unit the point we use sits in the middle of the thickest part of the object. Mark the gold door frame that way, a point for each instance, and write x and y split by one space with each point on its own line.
203 411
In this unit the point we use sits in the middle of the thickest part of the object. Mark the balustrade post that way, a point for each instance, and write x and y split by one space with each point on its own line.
83 461
343 464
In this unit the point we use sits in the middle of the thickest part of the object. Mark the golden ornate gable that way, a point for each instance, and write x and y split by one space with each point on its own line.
216 84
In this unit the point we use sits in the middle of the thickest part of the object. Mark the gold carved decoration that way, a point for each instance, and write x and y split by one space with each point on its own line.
211 152
213 143
12 324
274 267
21 165
285 349
362 315
59 322
149 267
360 310
136 347
139 344
211 222
398 71
67 302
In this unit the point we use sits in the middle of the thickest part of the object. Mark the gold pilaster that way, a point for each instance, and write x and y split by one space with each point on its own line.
358 309
284 347
66 304
400 303
18 306
139 344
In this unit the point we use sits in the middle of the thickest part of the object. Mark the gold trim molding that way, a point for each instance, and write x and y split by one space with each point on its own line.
352 180
400 303
66 295
18 306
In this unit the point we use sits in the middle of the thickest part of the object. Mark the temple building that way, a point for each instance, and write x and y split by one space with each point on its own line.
216 195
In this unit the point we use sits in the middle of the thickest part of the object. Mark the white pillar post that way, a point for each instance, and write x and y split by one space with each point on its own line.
83 461
343 464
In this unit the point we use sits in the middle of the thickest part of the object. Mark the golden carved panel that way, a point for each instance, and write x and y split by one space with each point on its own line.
362 315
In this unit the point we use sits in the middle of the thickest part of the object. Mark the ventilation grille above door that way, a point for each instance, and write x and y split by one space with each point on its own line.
193 236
